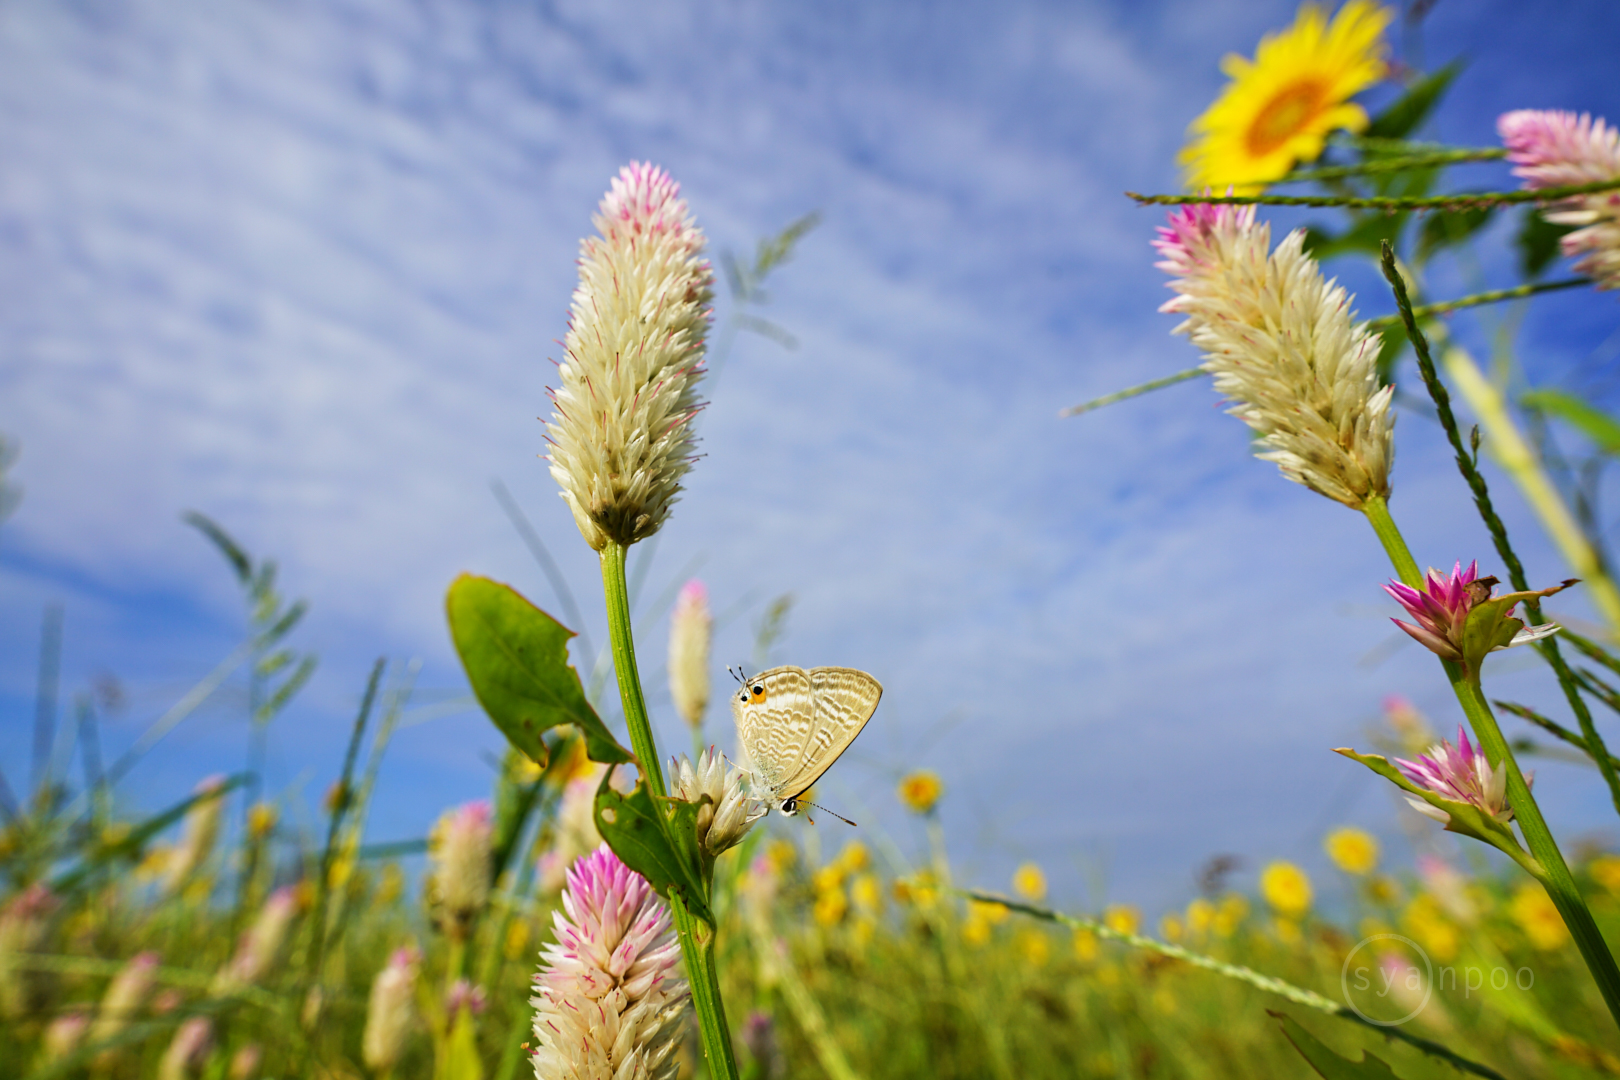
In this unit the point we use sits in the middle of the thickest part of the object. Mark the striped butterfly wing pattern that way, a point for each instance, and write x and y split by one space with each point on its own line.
800 722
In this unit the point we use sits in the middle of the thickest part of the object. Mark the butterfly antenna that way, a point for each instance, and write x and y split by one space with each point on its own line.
834 813
738 674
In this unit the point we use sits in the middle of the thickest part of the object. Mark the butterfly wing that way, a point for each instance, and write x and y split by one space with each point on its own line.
842 700
774 732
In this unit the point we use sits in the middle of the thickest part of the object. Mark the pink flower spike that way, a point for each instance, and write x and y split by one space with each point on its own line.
1555 149
609 999
1458 773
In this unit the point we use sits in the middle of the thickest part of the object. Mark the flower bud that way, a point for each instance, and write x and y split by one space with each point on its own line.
459 850
188 1050
197 839
689 630
391 1012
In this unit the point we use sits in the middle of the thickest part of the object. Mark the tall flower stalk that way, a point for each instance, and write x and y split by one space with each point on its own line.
1284 349
621 440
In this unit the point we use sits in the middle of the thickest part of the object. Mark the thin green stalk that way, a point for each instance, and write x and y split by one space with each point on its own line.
1493 523
1297 994
1406 567
317 920
1558 881
1463 200
1555 875
1133 391
1394 164
697 939
1493 296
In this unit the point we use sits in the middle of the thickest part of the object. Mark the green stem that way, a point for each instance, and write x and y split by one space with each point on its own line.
1463 200
1554 875
1396 164
697 939
1406 567
1493 521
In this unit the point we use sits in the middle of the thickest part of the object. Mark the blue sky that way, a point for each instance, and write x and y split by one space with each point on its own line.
301 266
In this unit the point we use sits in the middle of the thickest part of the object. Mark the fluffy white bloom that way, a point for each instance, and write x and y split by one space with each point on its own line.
609 1001
197 841
261 945
188 1050
391 1011
1284 348
459 849
620 435
689 630
726 813
1560 149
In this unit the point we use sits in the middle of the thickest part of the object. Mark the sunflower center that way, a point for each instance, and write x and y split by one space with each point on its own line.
1281 118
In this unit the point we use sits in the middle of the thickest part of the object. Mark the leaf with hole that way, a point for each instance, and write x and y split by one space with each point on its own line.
516 658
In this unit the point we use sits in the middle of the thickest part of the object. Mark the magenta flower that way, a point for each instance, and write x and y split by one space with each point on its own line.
1458 773
1555 149
608 1000
1459 619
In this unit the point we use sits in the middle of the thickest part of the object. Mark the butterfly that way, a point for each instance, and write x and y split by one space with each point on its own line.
792 724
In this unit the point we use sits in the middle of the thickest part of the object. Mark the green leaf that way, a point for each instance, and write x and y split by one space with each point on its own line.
227 547
1595 424
516 658
1329 1065
1538 242
660 846
1465 818
284 693
1442 228
459 1056
1408 113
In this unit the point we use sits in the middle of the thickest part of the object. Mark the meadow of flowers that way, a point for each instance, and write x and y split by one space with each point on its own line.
614 910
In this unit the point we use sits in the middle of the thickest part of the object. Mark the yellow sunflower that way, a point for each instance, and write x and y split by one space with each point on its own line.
1279 107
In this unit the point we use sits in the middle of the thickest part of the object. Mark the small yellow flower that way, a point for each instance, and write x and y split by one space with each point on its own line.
992 913
976 929
1279 108
517 938
918 890
1352 850
1171 928
1030 883
261 820
391 885
527 770
1533 910
1034 946
1233 910
867 893
1381 890
1605 870
921 790
782 854
1200 915
1288 931
829 878
830 907
1286 888
1122 919
1426 921
854 858
1085 945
